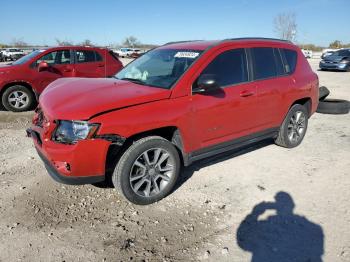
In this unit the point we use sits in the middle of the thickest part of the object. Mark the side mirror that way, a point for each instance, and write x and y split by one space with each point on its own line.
43 66
206 83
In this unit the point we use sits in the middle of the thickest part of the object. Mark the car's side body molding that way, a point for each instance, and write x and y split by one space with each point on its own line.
230 145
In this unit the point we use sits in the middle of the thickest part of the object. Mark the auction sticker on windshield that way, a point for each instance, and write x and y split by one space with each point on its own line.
187 54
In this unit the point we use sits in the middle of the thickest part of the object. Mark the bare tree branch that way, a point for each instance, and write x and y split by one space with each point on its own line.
285 26
63 42
18 42
131 41
87 42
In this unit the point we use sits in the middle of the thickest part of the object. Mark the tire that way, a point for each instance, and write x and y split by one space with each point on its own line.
333 106
323 93
26 98
293 128
139 184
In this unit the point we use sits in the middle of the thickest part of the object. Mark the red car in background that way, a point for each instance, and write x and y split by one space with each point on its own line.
22 81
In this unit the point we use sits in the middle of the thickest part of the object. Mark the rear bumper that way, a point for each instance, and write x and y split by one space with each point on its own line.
82 163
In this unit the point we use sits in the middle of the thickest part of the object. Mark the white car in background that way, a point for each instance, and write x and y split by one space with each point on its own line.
124 51
129 52
12 53
307 53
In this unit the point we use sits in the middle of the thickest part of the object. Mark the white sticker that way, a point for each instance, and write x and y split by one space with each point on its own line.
187 54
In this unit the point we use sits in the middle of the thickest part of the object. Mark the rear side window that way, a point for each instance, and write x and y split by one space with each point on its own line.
290 57
264 62
279 62
98 57
229 67
85 56
114 55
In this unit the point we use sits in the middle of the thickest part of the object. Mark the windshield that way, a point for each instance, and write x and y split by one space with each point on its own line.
343 52
28 57
159 67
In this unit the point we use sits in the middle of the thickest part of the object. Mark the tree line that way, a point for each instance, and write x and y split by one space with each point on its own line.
130 41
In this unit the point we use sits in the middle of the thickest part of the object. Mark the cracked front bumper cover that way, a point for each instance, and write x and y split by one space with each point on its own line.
65 179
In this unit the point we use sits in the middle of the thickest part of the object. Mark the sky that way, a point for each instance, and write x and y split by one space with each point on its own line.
107 22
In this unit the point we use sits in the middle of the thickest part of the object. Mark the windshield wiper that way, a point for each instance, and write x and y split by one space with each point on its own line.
138 81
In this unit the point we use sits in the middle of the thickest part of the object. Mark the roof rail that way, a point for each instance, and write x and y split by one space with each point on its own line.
179 42
258 38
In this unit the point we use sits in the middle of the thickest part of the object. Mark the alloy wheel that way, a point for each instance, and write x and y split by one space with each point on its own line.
151 172
18 99
296 127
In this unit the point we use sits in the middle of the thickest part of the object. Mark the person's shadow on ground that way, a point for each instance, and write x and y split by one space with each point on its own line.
281 237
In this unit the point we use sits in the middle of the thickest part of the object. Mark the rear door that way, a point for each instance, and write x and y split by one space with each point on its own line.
273 84
60 65
89 63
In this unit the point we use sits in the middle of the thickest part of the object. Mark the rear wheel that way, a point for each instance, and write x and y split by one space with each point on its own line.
147 171
18 98
294 127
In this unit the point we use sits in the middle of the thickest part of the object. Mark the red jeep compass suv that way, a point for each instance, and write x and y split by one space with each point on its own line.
23 80
174 105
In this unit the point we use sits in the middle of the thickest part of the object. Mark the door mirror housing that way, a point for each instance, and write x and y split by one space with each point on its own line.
206 83
43 66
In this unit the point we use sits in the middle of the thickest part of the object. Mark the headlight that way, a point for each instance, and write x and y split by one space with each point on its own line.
69 132
344 61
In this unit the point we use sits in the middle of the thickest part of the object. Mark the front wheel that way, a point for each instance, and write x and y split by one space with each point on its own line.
294 127
147 171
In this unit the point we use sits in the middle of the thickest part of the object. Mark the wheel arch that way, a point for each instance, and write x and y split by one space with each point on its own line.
22 83
306 101
170 133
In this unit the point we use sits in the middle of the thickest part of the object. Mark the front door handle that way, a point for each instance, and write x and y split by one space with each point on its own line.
101 65
246 93
67 70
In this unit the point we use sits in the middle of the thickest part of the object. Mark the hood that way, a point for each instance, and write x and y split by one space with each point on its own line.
82 98
335 58
6 67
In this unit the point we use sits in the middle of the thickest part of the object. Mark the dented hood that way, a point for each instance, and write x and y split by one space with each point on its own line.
82 98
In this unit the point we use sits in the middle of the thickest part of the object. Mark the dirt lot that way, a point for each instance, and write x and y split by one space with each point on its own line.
41 220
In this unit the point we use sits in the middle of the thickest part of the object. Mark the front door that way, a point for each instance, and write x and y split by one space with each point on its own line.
230 112
60 65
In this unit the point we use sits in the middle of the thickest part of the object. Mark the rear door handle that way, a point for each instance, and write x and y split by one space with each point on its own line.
67 70
101 65
246 93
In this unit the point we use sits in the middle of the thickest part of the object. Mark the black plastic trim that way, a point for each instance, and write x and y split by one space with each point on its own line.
113 138
231 145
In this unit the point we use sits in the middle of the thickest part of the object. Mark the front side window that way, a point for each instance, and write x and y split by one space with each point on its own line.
229 67
159 67
85 56
56 57
264 63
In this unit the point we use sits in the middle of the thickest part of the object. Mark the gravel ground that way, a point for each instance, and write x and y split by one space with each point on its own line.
227 208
